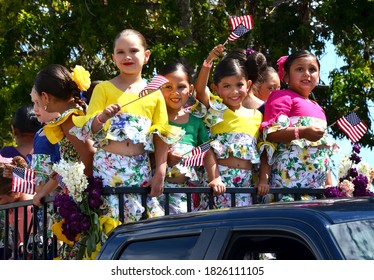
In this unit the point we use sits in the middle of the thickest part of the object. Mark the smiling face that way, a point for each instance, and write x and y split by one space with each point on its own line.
130 54
232 90
177 91
303 75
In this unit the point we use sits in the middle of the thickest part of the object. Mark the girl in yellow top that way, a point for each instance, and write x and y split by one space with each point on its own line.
236 130
125 136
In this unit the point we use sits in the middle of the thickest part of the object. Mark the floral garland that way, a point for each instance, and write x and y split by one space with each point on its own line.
81 222
355 177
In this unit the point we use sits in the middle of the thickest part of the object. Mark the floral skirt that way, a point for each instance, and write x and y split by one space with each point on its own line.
232 178
177 201
295 167
126 171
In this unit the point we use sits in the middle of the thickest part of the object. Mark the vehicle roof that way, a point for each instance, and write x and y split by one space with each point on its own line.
331 211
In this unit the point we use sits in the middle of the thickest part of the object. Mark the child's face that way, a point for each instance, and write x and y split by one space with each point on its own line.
232 90
272 83
42 115
177 91
303 75
129 54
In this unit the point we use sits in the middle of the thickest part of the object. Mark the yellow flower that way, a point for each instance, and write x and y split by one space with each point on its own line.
57 230
81 77
108 224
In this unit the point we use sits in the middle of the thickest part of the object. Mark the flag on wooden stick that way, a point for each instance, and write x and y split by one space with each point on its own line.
23 180
197 155
352 126
239 31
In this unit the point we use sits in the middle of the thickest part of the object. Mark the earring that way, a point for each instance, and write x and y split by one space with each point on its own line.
45 107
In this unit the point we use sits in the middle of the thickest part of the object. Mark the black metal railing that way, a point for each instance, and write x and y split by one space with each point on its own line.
36 243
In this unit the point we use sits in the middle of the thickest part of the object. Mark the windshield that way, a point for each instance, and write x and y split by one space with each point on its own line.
355 239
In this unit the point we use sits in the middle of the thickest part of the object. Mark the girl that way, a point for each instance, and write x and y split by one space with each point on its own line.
125 136
8 196
236 130
297 124
56 91
176 93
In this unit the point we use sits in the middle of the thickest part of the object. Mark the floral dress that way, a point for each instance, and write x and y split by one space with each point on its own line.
44 156
299 163
196 134
138 122
237 136
54 134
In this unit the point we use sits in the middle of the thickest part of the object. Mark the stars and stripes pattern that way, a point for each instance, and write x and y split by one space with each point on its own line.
197 155
156 82
23 180
352 126
246 21
239 31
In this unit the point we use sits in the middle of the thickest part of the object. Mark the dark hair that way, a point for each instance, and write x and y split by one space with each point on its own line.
56 80
175 66
256 64
25 120
295 55
228 67
264 75
127 32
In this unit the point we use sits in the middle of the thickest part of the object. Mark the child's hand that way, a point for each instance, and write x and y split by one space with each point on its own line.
156 184
109 112
262 187
218 186
311 133
37 199
173 158
8 171
216 52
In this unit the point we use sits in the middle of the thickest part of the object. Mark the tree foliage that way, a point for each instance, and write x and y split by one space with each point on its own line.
34 34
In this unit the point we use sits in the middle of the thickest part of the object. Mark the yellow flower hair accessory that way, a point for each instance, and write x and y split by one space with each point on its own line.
81 77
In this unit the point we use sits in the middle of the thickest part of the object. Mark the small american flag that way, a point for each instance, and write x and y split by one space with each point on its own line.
239 31
352 126
23 180
198 154
156 82
246 20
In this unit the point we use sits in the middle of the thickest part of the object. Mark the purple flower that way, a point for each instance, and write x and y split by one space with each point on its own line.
355 158
333 192
356 148
360 182
353 172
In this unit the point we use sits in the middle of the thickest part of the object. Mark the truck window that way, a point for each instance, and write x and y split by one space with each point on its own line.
178 248
267 245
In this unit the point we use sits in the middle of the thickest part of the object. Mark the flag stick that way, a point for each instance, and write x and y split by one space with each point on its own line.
137 99
36 171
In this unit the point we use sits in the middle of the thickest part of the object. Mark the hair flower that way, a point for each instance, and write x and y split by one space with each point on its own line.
355 177
280 63
81 77
250 51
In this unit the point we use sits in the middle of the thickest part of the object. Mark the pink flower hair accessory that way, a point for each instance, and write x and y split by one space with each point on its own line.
280 63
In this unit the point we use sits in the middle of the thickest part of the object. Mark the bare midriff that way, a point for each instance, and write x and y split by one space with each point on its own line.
234 162
125 148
